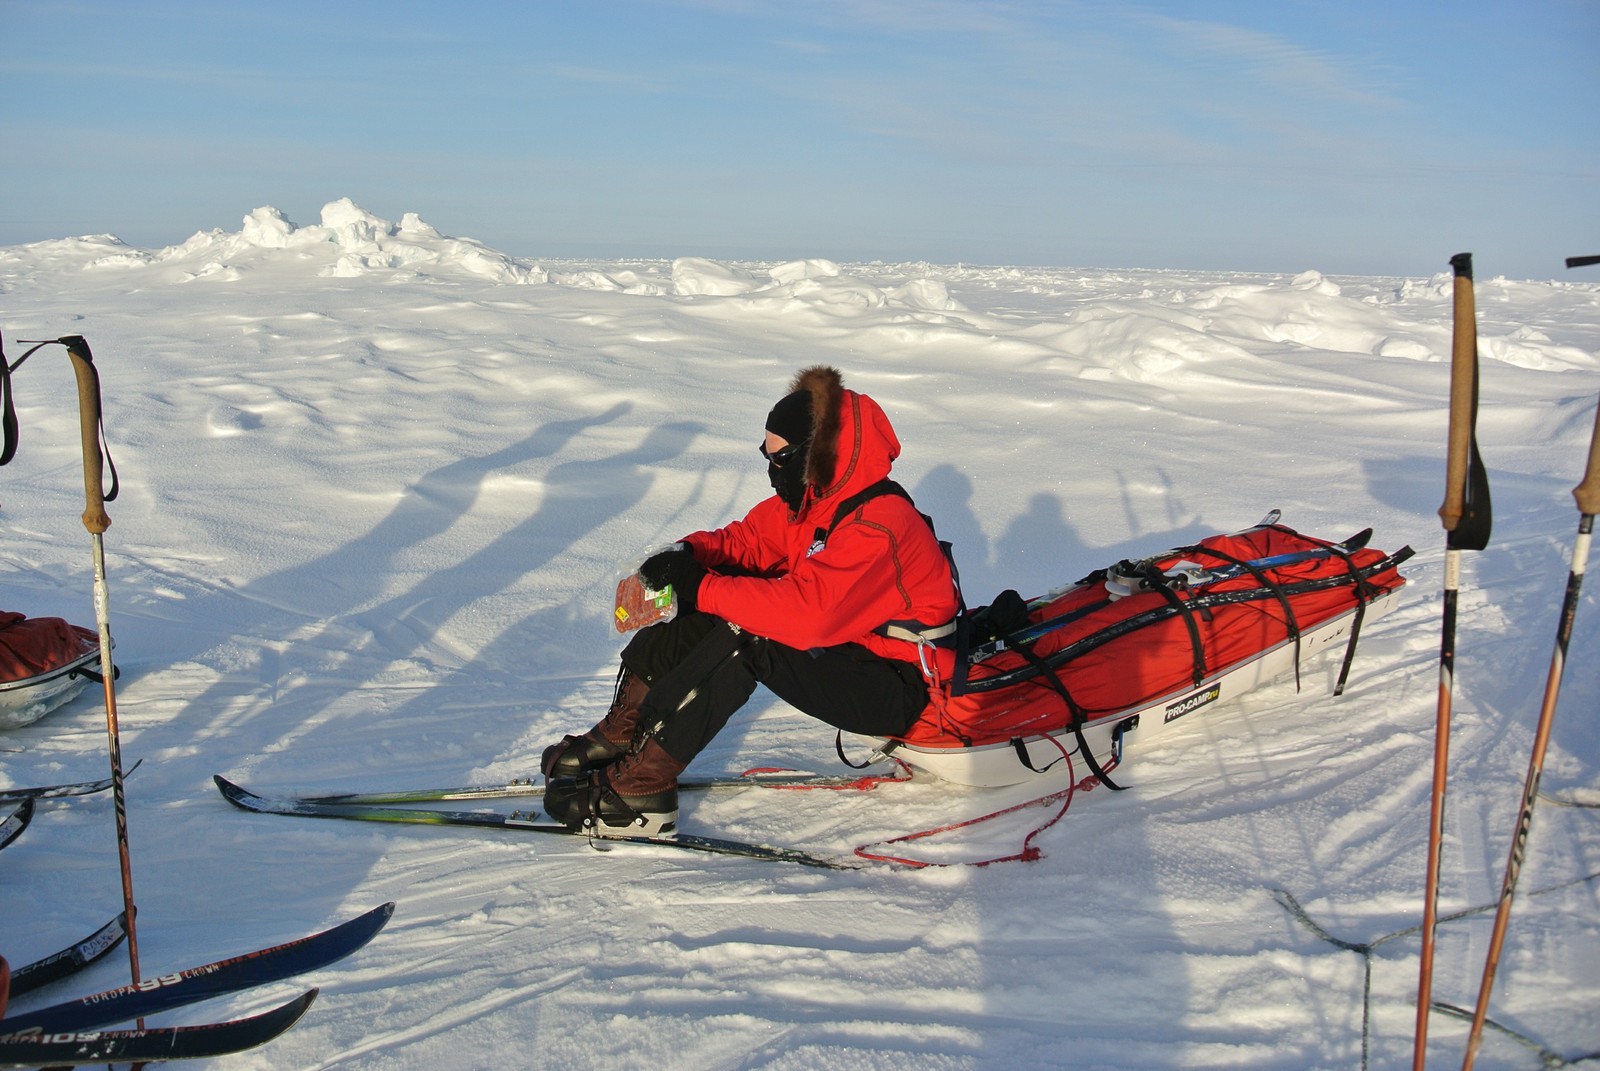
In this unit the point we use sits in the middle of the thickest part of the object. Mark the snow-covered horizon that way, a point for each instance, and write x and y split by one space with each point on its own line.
376 479
370 242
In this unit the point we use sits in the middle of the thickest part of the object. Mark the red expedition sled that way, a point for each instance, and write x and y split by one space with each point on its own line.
44 662
1129 650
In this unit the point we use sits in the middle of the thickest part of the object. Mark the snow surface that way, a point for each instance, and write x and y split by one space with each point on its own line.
375 480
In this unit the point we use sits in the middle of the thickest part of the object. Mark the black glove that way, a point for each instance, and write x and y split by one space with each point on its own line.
678 568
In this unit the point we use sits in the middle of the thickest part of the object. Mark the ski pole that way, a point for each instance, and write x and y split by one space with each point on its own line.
1466 518
1587 495
96 521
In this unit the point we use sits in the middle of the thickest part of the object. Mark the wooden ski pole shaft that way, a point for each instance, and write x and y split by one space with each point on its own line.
1587 495
96 521
1463 403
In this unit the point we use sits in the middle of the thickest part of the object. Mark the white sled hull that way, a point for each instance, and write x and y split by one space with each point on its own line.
1108 736
26 701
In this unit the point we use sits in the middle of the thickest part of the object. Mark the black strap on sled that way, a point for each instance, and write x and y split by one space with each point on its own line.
1197 645
1207 600
95 675
1290 622
881 752
1074 712
1365 593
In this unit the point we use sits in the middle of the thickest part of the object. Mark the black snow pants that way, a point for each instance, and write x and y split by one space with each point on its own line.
701 670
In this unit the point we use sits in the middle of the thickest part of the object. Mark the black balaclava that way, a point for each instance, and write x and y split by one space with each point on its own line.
790 420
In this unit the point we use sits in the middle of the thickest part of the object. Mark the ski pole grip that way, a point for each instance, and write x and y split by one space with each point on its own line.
1588 492
94 509
1463 375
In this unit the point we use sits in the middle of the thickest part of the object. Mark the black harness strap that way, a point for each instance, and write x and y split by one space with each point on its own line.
947 634
884 486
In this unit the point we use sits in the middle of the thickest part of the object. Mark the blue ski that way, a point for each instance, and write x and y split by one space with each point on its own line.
156 1043
175 990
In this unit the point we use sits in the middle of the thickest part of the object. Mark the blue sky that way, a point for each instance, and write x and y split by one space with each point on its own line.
1355 137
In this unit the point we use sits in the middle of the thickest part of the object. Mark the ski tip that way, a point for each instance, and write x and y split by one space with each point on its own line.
272 1022
291 1012
231 792
366 925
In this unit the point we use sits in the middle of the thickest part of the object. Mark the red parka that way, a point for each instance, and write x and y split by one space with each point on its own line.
881 564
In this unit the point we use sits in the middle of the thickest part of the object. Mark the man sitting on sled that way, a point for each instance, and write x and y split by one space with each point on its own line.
832 593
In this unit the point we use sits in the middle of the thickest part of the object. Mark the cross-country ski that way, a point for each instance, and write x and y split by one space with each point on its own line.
14 818
179 988
70 960
61 791
521 822
151 1044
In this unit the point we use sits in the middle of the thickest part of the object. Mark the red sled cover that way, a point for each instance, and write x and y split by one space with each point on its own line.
33 646
1211 606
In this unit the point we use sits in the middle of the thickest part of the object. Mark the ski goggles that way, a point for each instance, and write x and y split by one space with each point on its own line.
784 455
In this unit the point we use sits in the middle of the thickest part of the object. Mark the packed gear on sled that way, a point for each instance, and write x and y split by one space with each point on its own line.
1136 646
44 663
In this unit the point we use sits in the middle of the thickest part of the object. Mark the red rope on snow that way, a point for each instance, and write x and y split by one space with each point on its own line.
1027 854
864 783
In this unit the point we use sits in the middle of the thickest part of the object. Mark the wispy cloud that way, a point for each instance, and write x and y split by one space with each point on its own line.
1284 65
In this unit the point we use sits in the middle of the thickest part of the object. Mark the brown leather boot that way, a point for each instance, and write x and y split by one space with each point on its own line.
637 794
606 742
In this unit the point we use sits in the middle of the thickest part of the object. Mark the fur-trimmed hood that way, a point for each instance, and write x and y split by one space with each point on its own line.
852 443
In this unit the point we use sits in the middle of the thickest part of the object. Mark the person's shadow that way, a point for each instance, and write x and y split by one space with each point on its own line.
335 610
1037 551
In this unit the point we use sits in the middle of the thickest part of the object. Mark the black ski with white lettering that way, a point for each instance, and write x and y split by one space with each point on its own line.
50 792
521 821
13 820
69 960
157 1043
168 991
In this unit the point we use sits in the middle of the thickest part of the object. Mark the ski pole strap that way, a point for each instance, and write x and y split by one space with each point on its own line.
1587 493
94 442
8 410
1466 513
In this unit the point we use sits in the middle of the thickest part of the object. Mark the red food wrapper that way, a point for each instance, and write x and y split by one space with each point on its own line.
637 606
